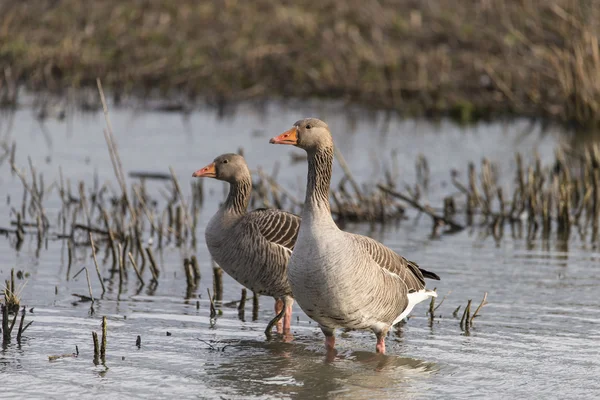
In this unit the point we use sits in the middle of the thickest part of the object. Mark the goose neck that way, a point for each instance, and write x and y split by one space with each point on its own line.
320 163
239 196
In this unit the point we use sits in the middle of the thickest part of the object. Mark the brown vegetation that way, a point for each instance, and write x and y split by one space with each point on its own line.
468 59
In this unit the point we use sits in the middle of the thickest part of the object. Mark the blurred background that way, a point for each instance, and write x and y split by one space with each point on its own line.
466 138
469 60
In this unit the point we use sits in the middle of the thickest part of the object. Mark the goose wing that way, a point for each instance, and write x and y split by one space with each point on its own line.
276 226
408 271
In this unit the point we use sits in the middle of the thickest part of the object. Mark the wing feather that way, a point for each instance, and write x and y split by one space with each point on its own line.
276 226
407 270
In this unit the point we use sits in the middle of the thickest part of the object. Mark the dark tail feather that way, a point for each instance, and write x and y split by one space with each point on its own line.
429 275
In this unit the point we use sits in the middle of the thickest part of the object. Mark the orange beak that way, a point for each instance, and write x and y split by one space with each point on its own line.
287 137
207 172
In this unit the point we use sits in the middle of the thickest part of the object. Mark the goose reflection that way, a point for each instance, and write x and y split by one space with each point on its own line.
300 370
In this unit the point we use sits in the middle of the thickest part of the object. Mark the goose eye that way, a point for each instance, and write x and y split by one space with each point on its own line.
225 161
308 126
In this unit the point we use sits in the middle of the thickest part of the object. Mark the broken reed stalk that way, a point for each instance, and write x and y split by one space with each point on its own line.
70 257
213 311
140 248
255 306
12 283
217 282
96 263
111 237
87 276
424 209
96 348
5 331
135 268
113 151
432 305
442 302
189 274
20 231
195 268
121 266
242 304
103 345
123 254
464 322
455 312
12 325
22 328
153 268
186 216
483 303
148 214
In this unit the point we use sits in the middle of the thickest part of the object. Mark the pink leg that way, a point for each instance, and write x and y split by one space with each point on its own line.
330 343
380 348
287 319
330 347
278 308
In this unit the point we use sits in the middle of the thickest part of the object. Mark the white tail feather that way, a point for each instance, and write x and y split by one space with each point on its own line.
415 298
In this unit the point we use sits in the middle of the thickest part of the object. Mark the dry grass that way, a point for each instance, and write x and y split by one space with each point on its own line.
468 59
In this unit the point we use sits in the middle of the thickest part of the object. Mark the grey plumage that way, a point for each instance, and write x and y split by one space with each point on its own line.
342 279
252 247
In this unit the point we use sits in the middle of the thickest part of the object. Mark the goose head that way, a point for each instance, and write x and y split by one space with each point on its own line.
309 134
227 167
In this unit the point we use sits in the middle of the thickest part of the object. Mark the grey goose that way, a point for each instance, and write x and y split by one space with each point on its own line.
341 279
252 247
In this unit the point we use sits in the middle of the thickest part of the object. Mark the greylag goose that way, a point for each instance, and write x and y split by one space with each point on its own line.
340 279
252 247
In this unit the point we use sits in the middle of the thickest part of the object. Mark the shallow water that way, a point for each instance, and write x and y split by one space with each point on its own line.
537 337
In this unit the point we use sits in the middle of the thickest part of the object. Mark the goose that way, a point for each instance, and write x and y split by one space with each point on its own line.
341 279
252 247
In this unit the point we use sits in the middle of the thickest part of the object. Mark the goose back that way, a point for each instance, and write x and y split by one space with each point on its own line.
254 248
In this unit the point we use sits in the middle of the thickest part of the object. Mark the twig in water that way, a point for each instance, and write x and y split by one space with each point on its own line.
113 151
96 348
96 263
483 303
455 312
431 305
22 328
186 216
454 227
187 268
111 236
70 257
213 347
464 322
135 268
153 268
121 266
213 311
103 345
195 268
87 276
242 303
441 302
217 282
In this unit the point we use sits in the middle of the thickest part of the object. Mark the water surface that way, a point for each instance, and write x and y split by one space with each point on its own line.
537 337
